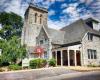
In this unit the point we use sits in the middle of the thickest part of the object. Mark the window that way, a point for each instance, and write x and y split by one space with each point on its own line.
92 54
90 37
89 54
90 24
40 19
41 41
95 54
45 55
35 17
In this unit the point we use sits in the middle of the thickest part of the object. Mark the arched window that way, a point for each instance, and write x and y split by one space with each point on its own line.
40 19
35 17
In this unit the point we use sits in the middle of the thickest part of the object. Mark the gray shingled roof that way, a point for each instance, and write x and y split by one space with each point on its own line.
71 33
56 36
76 31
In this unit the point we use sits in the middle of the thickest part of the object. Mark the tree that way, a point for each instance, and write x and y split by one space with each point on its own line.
12 50
11 25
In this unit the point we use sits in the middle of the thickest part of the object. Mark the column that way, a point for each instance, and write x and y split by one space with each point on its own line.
68 58
61 57
75 58
56 57
50 49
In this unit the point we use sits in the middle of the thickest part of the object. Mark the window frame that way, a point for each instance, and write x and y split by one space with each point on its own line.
90 37
92 54
42 42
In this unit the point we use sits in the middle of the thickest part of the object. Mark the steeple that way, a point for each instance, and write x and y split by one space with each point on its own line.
35 19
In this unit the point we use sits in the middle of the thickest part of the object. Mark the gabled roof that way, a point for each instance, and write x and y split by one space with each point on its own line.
57 36
76 31
88 18
70 34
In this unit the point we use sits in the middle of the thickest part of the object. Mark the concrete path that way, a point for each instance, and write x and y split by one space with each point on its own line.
60 73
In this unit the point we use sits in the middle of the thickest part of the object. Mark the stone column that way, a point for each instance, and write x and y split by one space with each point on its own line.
50 49
61 57
68 58
56 57
75 58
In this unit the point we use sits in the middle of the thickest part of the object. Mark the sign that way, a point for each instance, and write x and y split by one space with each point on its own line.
25 62
39 50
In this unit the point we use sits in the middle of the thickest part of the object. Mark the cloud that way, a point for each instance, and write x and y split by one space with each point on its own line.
56 24
64 5
51 12
71 10
4 4
86 1
15 5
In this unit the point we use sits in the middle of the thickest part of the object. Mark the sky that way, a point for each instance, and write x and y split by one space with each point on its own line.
60 12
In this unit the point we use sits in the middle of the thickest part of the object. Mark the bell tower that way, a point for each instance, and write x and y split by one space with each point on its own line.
35 17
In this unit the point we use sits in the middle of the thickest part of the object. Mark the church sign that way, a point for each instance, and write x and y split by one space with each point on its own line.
39 50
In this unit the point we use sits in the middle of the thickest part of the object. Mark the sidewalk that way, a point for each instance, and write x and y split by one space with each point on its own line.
83 69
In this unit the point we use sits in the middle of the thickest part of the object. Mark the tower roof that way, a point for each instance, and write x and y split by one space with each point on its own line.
38 7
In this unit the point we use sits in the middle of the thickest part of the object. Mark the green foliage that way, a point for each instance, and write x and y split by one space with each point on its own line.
37 63
92 65
0 61
12 51
52 62
12 25
1 70
14 67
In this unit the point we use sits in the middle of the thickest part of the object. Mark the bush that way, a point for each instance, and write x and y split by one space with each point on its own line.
1 70
37 63
92 65
14 67
52 62
3 63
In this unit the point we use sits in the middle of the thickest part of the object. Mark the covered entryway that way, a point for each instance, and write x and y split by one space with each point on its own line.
69 56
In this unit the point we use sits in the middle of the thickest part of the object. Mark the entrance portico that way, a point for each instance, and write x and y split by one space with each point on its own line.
68 56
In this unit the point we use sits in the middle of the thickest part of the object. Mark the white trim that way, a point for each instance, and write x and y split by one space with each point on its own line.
46 32
84 36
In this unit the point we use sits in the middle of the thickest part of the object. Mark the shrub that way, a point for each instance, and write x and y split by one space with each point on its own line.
52 62
1 70
92 65
3 63
37 63
14 67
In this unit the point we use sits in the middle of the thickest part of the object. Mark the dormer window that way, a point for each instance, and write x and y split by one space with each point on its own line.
90 37
90 24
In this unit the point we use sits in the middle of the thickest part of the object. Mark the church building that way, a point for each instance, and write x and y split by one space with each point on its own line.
77 44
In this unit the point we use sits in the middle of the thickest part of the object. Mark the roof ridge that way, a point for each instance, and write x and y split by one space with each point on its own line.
56 30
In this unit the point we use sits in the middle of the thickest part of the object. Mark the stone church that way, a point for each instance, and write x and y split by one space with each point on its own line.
77 44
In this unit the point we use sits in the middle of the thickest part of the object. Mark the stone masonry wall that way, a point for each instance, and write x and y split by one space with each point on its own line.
95 45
